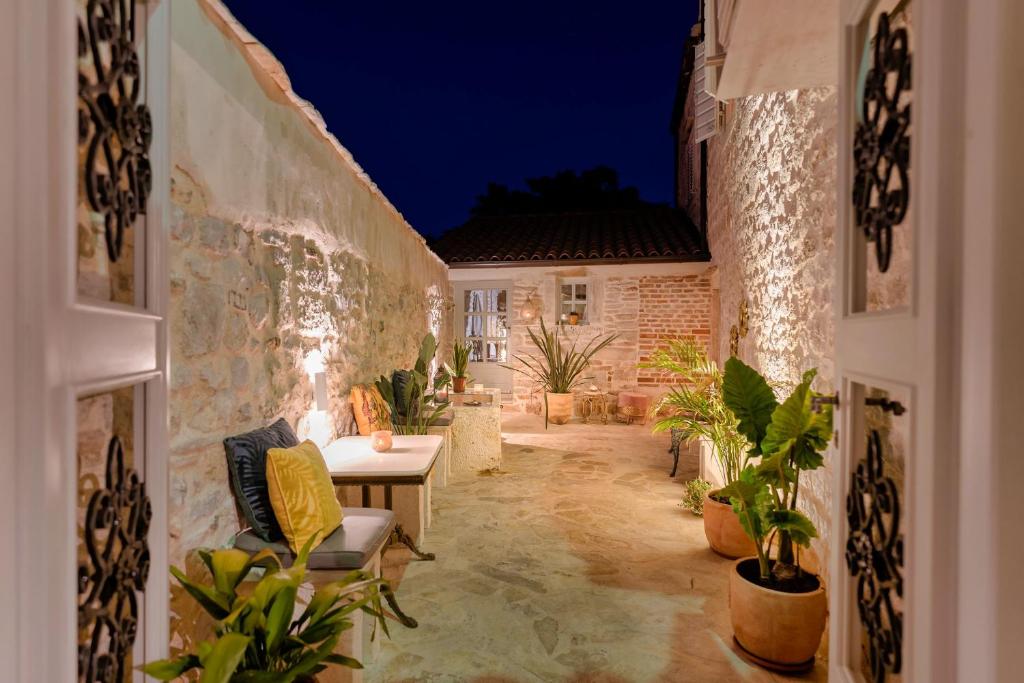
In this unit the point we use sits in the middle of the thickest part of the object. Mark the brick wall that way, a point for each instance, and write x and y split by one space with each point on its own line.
671 306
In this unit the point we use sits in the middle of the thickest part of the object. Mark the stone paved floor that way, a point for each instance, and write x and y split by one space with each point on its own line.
573 563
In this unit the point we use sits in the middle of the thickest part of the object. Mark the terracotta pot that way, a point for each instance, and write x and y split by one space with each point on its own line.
574 318
723 529
459 384
559 407
780 631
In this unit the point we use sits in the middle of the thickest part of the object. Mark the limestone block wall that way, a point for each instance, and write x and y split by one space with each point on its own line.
285 260
772 216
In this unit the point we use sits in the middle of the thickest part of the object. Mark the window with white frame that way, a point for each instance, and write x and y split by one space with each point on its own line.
574 300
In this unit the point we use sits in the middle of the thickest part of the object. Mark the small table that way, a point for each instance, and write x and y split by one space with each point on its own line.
591 403
352 462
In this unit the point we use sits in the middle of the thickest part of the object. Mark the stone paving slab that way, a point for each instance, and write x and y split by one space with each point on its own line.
573 562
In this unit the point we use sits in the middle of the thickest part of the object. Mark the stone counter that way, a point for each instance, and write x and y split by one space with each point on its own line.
476 432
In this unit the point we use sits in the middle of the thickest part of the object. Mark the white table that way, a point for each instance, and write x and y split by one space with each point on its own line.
352 462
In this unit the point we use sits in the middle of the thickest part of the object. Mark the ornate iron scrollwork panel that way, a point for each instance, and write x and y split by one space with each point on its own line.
881 146
116 523
113 126
874 556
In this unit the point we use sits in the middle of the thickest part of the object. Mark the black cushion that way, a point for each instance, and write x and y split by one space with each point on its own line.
362 534
247 464
400 379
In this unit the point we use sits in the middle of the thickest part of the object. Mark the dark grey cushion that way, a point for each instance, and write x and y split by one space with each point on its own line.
363 532
247 465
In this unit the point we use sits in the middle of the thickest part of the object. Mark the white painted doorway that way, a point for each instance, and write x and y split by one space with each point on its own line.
482 321
892 566
88 269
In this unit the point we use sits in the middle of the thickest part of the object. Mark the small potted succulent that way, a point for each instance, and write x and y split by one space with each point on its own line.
458 370
558 369
696 406
257 637
778 609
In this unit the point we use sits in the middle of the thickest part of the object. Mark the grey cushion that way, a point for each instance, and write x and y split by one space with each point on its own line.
247 465
363 532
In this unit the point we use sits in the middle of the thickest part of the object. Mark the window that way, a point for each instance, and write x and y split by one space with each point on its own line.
574 300
485 312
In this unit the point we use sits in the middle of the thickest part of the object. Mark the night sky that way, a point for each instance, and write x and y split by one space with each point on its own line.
435 100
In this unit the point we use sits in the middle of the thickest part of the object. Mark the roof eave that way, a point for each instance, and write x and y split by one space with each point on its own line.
702 258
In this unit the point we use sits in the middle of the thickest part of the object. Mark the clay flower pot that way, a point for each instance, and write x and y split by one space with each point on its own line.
459 385
723 529
778 630
559 407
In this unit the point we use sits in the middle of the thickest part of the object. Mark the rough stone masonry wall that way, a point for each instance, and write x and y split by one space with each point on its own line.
772 216
284 259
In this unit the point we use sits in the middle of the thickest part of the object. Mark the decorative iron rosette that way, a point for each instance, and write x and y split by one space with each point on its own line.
115 572
881 146
874 556
114 129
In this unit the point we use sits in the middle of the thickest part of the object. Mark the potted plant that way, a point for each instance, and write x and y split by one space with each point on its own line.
559 370
409 395
257 637
778 610
696 407
459 368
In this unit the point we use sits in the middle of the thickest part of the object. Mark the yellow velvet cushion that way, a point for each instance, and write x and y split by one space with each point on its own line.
370 409
302 494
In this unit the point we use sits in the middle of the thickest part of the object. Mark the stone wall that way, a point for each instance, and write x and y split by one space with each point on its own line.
285 260
641 304
772 216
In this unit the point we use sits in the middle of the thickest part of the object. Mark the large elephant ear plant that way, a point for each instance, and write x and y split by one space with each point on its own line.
789 438
257 639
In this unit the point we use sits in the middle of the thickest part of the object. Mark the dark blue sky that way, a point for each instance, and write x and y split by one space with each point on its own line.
436 99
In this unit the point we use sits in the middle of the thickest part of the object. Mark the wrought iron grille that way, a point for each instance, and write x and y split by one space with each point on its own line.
881 145
874 556
115 571
114 128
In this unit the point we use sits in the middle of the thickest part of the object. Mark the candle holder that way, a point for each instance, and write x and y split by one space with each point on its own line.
380 441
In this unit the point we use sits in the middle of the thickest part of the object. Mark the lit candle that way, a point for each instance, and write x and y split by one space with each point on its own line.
380 441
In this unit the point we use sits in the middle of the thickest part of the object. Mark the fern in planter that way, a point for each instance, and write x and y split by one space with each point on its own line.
257 638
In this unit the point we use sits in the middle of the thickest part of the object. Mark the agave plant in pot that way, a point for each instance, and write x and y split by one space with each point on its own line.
696 406
778 609
458 370
558 369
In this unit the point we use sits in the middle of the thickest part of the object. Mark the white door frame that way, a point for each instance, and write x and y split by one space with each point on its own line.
916 348
491 370
64 347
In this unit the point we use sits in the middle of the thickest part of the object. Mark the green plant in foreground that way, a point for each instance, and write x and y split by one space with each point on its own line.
696 406
257 639
409 393
693 496
789 438
558 369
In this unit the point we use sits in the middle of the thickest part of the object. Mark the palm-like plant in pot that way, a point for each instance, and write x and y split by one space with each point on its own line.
778 609
696 406
558 369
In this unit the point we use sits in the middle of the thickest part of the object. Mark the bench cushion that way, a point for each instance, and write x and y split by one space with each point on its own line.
247 465
363 532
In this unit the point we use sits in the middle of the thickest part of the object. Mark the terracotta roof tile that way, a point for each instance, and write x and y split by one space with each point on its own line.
657 233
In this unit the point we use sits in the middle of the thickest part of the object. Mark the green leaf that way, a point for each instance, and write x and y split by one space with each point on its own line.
220 663
169 669
210 600
797 431
748 396
795 523
342 660
229 567
279 617
775 471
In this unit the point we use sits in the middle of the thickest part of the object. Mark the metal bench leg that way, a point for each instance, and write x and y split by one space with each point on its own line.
675 459
402 617
399 535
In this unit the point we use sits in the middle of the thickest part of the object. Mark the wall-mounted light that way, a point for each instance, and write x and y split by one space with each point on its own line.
320 390
529 310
